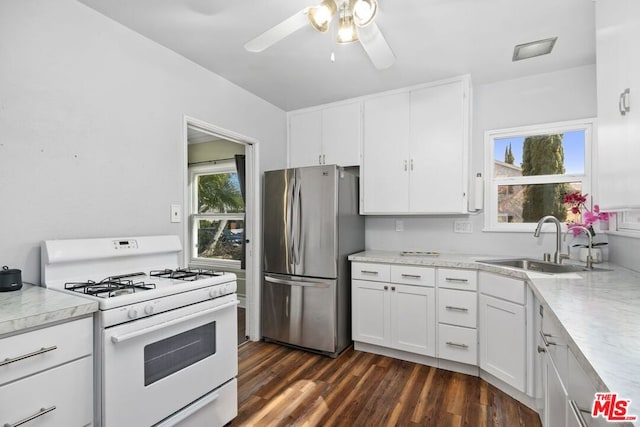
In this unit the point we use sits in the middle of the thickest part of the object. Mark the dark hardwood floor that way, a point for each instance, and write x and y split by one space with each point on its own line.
279 386
242 325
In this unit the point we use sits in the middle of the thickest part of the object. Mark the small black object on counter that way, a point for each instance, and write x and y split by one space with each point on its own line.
10 279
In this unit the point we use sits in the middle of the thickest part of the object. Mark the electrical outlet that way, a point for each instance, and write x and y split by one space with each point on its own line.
462 227
176 213
399 225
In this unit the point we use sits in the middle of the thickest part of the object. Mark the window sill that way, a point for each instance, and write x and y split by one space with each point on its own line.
633 234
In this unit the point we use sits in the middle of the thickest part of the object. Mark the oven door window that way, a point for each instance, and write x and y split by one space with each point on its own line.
170 355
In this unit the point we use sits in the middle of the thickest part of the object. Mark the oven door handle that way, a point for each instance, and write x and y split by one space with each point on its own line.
125 337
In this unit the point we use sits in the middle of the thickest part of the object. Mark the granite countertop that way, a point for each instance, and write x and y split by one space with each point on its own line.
599 311
34 306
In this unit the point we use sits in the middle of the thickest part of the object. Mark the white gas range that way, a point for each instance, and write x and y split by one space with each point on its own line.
165 338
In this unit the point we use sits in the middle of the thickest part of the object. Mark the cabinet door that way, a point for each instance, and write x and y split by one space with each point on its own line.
438 162
503 340
385 174
555 397
370 312
305 138
618 66
341 127
413 320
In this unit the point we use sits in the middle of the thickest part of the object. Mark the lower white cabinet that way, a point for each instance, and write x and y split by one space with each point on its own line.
393 315
555 395
389 312
46 376
502 325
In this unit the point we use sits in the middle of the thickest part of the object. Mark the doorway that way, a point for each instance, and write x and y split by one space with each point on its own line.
221 200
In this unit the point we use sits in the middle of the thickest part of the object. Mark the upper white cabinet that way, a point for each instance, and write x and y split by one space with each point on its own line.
323 136
415 150
618 77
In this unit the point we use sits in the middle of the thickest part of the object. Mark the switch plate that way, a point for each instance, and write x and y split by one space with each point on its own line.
176 213
399 225
462 227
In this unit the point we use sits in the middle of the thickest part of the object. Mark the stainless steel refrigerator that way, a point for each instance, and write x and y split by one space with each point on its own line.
311 224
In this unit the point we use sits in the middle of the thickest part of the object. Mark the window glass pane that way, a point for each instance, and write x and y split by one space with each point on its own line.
547 154
529 203
219 192
220 239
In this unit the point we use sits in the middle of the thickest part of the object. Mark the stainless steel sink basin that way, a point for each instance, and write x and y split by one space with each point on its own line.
540 266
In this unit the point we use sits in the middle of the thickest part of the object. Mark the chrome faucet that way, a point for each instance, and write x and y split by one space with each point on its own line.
586 231
557 256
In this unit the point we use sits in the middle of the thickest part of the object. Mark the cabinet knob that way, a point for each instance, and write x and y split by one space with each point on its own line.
386 288
393 288
541 349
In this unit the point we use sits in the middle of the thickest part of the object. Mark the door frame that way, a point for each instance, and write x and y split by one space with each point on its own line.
252 224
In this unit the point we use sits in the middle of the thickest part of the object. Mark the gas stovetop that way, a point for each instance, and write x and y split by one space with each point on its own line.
126 284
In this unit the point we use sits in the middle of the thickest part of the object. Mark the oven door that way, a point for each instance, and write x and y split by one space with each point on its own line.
154 367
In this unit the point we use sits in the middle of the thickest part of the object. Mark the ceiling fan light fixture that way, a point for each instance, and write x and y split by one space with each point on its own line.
364 11
320 16
347 32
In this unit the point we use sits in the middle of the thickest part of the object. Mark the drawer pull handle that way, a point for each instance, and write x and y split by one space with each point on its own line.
26 356
454 279
546 342
411 276
40 413
450 307
578 413
455 344
368 272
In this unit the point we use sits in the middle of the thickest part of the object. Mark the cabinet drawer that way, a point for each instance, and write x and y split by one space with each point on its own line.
582 391
410 275
43 348
452 278
458 308
458 344
513 290
370 271
67 388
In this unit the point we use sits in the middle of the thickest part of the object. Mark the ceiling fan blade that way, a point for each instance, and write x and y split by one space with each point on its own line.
376 46
278 32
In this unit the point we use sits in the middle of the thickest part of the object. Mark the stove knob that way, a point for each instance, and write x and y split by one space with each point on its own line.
133 313
213 292
148 309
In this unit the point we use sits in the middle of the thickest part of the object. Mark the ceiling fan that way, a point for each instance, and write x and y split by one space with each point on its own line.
355 22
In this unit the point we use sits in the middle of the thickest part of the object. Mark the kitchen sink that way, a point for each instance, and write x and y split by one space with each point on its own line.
540 266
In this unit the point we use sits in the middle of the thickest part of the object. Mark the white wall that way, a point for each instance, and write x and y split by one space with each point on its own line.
564 95
91 127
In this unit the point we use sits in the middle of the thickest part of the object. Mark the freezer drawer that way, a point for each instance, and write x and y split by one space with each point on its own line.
300 311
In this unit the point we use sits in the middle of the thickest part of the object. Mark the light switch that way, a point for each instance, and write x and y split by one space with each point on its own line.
176 213
399 225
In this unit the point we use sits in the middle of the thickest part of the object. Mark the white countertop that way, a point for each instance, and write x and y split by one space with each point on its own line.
599 311
34 306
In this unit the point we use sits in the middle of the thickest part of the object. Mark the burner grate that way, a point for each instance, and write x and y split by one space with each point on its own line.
185 273
111 286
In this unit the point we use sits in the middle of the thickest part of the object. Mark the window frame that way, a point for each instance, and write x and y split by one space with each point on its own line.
195 171
492 183
625 226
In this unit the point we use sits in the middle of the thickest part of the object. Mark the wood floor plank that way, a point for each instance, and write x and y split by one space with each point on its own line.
280 386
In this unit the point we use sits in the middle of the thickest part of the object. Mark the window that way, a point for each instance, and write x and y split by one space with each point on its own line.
530 169
628 221
216 214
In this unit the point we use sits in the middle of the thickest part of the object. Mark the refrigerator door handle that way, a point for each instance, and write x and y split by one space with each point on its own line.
289 226
295 282
297 221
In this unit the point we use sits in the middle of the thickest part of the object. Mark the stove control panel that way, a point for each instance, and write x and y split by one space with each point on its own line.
139 310
125 244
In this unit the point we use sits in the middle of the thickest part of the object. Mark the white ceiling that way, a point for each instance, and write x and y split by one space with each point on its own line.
432 39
